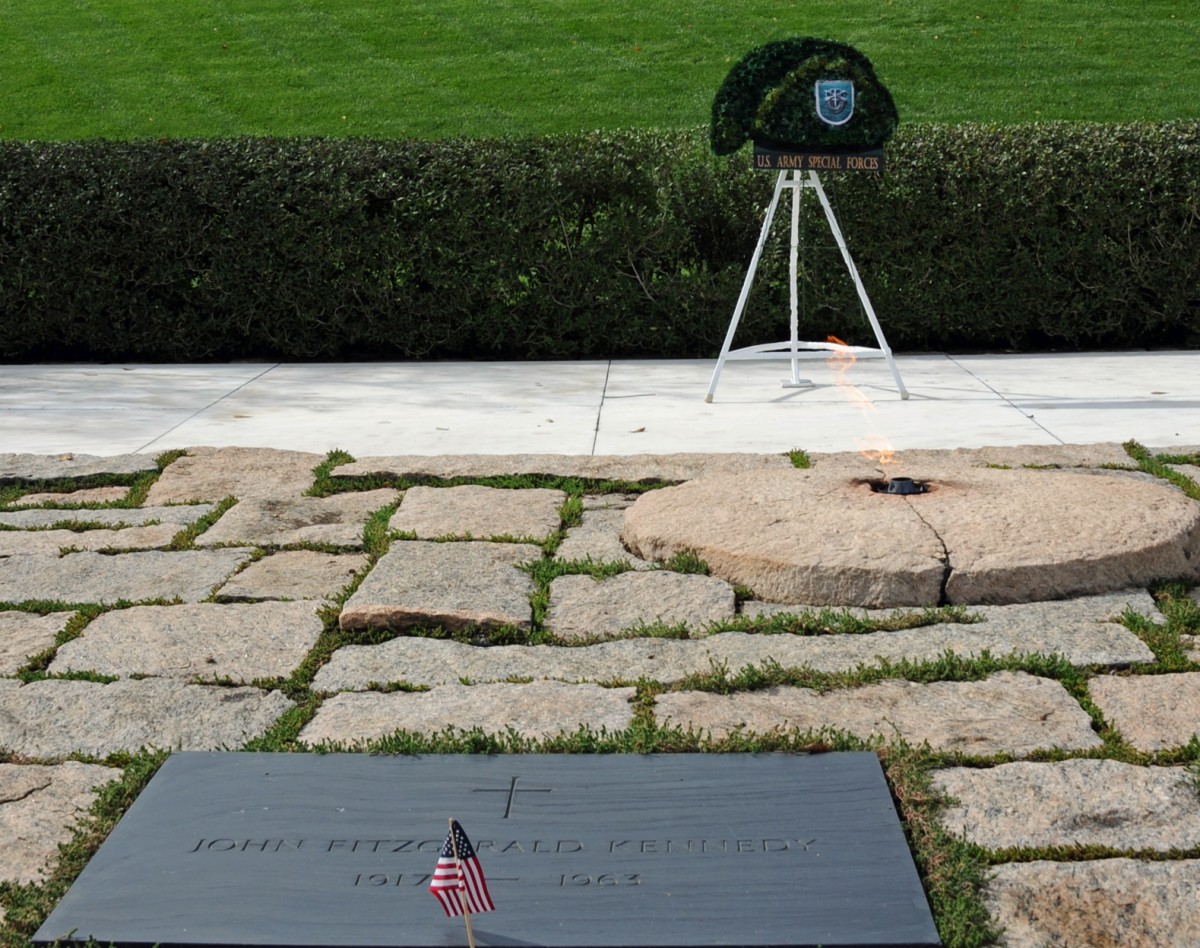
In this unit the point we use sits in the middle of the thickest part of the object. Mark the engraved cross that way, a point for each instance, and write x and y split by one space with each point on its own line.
512 792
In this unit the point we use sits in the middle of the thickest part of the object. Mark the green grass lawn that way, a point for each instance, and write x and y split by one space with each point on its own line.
438 68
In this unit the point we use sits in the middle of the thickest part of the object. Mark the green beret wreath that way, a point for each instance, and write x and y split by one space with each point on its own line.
769 97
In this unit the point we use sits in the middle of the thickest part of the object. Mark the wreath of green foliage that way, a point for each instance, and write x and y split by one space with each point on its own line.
768 97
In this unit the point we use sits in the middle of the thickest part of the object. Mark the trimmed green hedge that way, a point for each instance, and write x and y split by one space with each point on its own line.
591 246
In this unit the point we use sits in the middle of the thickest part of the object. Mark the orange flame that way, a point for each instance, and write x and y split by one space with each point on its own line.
883 455
875 447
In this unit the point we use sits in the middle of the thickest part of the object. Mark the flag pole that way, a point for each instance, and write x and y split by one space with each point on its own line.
462 896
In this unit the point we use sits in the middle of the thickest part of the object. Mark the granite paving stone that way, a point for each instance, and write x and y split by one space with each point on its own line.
683 466
1187 470
1072 803
1009 712
1084 631
479 512
462 465
642 468
582 607
39 807
598 538
49 467
1101 454
539 710
757 608
182 515
978 536
262 521
86 495
1152 712
25 634
426 661
240 642
795 536
188 575
294 574
1081 618
1103 531
213 474
55 718
1081 613
608 501
53 542
1103 903
454 585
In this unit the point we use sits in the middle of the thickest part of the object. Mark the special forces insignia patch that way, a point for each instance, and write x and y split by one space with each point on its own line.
835 100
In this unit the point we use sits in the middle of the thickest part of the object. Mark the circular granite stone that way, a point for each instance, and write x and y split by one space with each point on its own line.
978 536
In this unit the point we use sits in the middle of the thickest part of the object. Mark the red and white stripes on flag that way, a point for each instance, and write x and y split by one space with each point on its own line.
463 874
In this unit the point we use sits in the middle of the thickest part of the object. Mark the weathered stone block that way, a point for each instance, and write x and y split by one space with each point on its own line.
640 468
181 515
582 607
188 575
449 584
1152 712
216 473
49 467
263 521
54 718
1072 803
294 574
53 542
1114 903
25 634
39 807
1009 712
540 709
598 538
88 495
479 512
241 642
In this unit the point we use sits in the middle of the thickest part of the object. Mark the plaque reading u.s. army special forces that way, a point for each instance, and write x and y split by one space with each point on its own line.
338 850
776 159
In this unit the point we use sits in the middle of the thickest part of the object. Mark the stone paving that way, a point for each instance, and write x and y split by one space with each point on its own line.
114 638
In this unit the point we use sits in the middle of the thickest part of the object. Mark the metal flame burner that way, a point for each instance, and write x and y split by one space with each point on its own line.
899 485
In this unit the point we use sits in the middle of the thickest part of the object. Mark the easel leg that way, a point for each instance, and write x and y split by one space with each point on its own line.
815 183
794 296
746 284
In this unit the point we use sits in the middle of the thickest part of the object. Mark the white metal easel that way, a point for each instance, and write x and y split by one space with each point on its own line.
794 350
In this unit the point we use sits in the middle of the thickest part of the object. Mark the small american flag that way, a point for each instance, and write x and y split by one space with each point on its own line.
464 875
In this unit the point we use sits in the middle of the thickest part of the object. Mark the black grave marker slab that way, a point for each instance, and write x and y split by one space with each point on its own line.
227 849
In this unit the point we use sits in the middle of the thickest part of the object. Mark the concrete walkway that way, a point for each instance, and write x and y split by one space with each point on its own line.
582 408
248 588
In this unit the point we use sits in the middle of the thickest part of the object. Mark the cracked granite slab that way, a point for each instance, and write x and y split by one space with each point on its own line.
978 536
